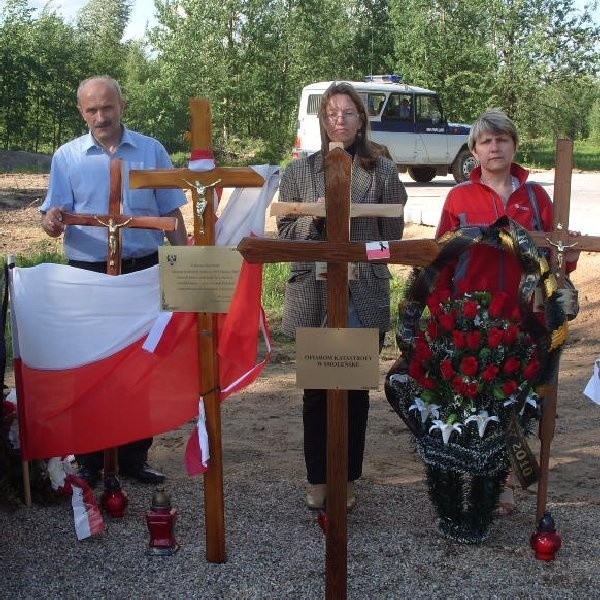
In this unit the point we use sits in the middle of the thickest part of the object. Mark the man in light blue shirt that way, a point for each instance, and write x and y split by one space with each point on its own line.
80 183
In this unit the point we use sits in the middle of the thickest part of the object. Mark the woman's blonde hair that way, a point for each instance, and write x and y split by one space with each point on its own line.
496 121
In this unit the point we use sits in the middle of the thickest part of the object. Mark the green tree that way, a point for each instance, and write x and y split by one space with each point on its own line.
61 63
101 25
444 45
521 55
17 60
544 49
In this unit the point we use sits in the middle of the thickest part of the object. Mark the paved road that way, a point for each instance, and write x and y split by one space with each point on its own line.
425 200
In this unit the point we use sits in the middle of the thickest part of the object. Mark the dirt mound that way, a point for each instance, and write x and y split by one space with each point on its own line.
19 160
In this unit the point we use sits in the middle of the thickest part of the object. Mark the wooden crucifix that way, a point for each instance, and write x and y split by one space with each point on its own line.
337 251
559 241
115 221
202 186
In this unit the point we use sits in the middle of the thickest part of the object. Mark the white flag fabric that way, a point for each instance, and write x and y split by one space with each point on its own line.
67 307
592 389
244 213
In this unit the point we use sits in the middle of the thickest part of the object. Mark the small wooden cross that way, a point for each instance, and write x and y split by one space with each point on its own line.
202 186
114 222
337 251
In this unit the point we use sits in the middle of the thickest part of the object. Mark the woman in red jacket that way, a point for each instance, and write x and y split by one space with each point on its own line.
498 187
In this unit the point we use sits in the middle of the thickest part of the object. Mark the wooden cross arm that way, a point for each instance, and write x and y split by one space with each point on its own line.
141 222
317 209
585 243
266 250
181 178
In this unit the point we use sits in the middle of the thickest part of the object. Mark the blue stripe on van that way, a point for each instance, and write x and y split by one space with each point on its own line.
393 125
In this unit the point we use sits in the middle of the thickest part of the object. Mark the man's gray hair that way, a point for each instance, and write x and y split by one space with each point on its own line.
496 121
105 78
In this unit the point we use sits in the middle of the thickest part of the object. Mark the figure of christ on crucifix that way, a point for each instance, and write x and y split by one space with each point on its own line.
110 237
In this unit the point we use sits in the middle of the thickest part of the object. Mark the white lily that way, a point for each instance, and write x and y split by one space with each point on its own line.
425 409
446 429
531 399
482 420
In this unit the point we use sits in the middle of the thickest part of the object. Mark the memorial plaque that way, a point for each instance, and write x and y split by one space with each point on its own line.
337 358
198 278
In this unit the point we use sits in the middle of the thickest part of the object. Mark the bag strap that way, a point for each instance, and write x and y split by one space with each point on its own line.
537 219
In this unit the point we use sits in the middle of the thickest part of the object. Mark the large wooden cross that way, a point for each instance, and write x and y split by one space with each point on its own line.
337 251
202 186
558 241
115 221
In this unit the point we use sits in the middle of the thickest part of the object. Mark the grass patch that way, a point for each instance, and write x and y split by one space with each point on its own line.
41 251
541 154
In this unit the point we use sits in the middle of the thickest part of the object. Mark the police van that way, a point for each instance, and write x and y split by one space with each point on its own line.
408 120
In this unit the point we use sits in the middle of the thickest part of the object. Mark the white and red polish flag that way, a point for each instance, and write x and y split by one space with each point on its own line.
98 365
84 380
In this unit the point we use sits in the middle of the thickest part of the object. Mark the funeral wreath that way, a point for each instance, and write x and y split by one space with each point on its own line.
468 376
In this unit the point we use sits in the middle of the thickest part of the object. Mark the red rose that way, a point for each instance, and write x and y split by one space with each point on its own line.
422 350
497 304
469 366
470 308
416 371
511 335
447 369
473 339
447 321
428 383
490 373
495 337
458 384
459 339
434 307
532 369
511 366
472 389
510 387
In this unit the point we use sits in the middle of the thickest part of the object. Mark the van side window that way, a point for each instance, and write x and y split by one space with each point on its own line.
314 101
398 108
375 104
429 109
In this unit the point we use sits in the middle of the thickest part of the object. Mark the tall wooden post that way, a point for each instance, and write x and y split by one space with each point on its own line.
204 235
214 504
338 166
558 241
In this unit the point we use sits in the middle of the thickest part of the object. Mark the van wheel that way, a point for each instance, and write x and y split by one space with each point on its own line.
462 166
421 174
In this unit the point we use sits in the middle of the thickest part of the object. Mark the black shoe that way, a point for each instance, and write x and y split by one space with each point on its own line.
89 476
144 474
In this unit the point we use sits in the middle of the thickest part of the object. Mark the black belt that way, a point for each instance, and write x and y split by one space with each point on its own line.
128 265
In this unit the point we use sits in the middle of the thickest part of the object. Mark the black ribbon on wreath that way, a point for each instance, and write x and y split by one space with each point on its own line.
466 472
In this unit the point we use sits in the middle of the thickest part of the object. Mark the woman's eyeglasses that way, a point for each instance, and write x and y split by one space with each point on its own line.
347 115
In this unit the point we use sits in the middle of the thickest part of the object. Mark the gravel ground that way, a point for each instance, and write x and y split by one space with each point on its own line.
276 548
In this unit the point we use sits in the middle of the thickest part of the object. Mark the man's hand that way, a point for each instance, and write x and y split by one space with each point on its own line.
52 222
